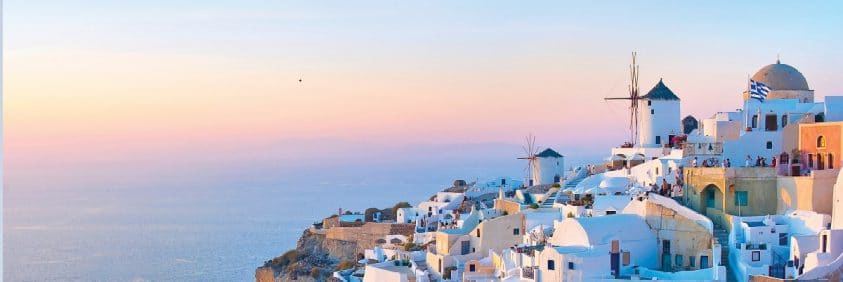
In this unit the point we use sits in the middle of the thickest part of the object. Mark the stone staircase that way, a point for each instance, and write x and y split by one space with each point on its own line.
573 183
723 239
559 196
548 203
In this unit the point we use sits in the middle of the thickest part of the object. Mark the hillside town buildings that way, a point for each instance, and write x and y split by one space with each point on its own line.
748 195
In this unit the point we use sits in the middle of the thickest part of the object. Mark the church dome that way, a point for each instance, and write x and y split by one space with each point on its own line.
781 77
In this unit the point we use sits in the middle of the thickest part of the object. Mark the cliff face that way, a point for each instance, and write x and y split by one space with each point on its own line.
321 251
315 255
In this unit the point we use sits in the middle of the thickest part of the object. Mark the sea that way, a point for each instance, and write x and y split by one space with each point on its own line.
196 225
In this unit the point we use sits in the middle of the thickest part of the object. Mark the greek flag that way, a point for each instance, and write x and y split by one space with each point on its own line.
758 90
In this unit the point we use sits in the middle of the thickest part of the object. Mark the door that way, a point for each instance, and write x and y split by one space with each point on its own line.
465 247
703 262
615 263
666 266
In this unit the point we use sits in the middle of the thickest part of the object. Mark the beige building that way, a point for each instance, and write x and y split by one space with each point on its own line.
685 238
474 240
719 193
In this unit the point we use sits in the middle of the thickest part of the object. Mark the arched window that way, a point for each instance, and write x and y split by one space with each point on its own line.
821 142
784 120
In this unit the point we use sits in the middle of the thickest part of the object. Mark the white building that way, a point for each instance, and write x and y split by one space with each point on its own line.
582 249
406 215
548 167
756 129
658 117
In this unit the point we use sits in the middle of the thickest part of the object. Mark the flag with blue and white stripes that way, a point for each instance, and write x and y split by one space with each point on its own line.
758 90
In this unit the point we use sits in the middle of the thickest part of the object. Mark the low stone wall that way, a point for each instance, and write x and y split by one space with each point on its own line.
364 236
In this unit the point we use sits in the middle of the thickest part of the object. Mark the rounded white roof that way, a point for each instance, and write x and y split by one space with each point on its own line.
614 182
781 77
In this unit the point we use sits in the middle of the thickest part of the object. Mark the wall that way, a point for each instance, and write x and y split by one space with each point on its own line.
664 121
364 237
507 206
760 183
809 193
831 131
687 237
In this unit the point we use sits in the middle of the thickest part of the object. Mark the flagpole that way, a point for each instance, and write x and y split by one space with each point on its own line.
746 104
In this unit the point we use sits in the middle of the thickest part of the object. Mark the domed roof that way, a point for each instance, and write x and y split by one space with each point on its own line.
781 77
660 92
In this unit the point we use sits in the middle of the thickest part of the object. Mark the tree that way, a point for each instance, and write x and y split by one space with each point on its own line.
369 214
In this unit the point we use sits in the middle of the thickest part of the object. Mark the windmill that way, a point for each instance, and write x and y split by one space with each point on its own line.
633 99
530 151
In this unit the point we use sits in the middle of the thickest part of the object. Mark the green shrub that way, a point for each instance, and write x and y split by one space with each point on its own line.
290 257
534 206
447 272
556 185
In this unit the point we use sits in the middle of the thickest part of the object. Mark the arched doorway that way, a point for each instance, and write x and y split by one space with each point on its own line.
711 198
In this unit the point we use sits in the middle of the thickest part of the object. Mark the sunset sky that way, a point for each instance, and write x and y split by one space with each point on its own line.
89 83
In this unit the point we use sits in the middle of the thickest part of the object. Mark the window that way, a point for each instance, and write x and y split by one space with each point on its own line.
821 142
756 255
571 265
692 261
611 212
769 145
784 120
679 260
551 265
819 117
825 243
649 103
478 233
472 268
770 123
625 258
516 231
703 262
741 198
783 239
652 112
658 139
754 121
810 160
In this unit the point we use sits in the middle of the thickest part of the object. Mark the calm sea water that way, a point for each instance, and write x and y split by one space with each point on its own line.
199 225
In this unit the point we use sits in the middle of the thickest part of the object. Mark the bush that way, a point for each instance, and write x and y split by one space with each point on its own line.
570 215
556 185
447 274
315 273
345 264
290 257
534 206
410 246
